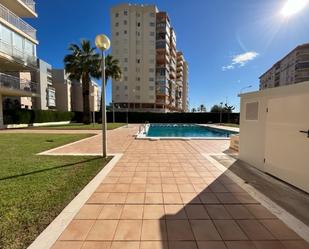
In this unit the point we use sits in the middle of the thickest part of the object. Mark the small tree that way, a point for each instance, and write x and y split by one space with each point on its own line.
193 110
202 108
216 108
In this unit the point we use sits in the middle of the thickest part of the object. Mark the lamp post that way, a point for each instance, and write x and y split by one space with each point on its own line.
103 43
221 105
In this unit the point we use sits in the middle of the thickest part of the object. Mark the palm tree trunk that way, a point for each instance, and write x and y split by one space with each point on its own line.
86 98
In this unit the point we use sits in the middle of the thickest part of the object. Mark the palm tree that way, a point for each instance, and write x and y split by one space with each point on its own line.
202 108
82 64
112 69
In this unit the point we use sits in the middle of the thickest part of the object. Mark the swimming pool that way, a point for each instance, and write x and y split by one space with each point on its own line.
185 131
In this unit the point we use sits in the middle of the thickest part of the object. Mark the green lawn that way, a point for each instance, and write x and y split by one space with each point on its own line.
34 189
79 126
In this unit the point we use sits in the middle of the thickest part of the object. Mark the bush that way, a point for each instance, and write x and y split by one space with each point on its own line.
23 116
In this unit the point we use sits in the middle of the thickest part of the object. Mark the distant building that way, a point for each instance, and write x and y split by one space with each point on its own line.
292 69
63 87
182 83
144 42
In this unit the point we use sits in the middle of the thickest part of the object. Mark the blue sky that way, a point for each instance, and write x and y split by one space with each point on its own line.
228 44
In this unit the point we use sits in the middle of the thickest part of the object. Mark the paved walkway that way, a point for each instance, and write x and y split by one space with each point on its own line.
166 195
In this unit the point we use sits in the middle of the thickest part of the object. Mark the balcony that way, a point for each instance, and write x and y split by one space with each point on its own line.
22 8
17 22
14 86
23 59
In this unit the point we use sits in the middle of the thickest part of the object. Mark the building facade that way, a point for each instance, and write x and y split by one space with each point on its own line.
63 88
17 50
292 69
145 44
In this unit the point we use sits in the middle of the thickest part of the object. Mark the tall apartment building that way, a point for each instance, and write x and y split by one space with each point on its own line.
185 88
145 44
292 69
17 49
63 87
181 95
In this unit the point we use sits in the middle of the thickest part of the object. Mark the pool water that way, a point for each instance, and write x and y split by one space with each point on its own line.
186 130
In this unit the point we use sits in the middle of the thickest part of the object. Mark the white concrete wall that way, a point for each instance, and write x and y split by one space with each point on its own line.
276 135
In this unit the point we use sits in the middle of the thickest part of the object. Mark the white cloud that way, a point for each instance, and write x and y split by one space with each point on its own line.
240 60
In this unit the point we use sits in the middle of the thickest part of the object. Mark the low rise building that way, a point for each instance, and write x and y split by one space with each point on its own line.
63 87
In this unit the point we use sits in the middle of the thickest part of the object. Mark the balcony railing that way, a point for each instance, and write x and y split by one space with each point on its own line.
30 4
19 56
16 83
16 21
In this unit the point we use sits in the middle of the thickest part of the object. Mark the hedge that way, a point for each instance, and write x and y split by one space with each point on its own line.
142 117
23 116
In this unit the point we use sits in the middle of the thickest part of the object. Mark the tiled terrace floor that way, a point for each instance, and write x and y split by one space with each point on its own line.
166 195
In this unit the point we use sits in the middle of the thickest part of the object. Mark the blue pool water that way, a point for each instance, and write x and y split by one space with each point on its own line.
185 130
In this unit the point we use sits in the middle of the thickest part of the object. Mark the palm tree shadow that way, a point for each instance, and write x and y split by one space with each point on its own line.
49 169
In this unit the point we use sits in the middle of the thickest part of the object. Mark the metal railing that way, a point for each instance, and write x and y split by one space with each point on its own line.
29 3
19 56
16 83
16 21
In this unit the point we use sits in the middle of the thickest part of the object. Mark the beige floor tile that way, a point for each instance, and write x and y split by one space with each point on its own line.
204 230
154 212
128 230
179 230
125 245
186 188
190 198
96 245
135 198
98 198
67 245
172 198
116 198
132 212
89 212
137 188
154 230
153 198
103 230
175 212
77 230
154 188
111 212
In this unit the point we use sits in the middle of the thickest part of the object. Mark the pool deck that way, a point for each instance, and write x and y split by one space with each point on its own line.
168 194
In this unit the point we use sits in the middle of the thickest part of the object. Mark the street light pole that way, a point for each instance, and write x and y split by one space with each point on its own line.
103 43
221 112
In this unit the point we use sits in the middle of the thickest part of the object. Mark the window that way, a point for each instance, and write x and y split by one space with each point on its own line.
117 15
138 14
137 88
117 88
151 88
138 24
137 96
18 42
117 24
151 97
151 79
125 12
138 78
151 60
125 87
138 51
152 33
29 48
125 32
125 69
252 111
151 24
151 14
117 33
125 22
138 33
125 59
151 70
138 61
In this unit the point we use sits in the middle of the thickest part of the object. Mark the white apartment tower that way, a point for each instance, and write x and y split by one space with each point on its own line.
145 44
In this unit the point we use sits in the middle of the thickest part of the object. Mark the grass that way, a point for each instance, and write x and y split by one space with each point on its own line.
79 126
35 189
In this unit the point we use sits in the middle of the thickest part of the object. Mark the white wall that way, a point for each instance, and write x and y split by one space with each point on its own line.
275 136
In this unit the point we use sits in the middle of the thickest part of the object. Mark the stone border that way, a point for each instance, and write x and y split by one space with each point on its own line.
50 235
47 152
292 222
18 126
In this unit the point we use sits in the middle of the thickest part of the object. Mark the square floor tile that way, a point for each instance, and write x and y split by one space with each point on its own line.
77 230
103 230
190 198
196 212
132 212
153 245
111 212
154 188
208 198
240 245
211 245
268 245
182 245
154 230
179 230
96 245
218 212
204 230
229 230
255 230
116 198
153 198
125 245
175 212
89 212
67 245
169 188
154 212
135 198
172 198
137 188
259 211
239 212
98 198
280 230
186 188
295 244
128 230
